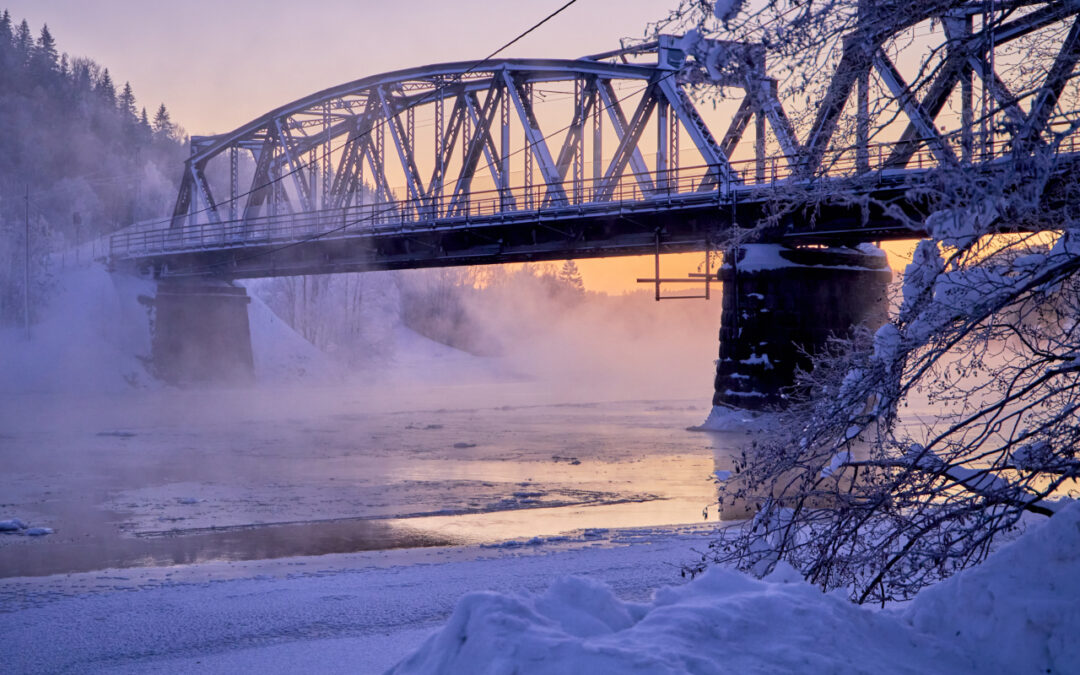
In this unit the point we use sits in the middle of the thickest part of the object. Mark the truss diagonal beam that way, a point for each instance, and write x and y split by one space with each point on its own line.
296 169
491 153
575 135
738 125
629 135
261 182
403 145
699 132
1047 97
535 138
477 146
627 152
922 120
446 147
853 61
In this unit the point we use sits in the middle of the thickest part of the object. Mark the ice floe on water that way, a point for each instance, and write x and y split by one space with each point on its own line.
17 526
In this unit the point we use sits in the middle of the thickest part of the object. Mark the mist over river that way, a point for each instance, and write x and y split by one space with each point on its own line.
175 477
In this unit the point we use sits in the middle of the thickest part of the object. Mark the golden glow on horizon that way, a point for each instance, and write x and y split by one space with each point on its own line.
618 275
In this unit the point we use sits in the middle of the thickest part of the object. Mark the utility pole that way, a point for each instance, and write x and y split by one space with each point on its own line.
26 265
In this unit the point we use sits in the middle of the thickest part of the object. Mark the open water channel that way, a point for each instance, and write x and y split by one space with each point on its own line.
176 477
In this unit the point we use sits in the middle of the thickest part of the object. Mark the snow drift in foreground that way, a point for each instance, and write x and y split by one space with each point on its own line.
1017 613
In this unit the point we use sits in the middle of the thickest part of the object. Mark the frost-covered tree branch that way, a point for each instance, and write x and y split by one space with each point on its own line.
922 444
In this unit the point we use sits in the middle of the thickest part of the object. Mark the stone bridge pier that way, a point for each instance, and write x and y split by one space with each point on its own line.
780 304
200 333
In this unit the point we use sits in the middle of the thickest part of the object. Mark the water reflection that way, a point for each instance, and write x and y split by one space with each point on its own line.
337 480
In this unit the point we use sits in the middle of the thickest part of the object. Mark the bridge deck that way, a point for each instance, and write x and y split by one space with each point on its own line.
516 225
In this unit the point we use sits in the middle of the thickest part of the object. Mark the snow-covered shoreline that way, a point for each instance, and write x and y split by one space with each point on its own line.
355 613
586 604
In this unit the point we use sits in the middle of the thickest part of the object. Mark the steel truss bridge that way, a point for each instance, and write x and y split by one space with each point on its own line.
347 179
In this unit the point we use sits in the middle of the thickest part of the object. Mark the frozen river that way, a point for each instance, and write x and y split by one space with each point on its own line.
177 477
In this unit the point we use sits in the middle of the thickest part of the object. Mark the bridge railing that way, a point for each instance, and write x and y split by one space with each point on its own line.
575 199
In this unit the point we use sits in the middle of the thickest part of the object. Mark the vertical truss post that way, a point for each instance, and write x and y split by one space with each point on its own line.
313 178
957 32
597 144
862 99
579 149
359 189
234 180
530 201
662 144
986 125
504 151
275 185
326 150
440 169
673 124
466 146
379 165
759 147
410 143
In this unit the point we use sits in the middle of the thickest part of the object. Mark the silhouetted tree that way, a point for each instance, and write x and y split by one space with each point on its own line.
24 44
571 276
126 104
45 57
163 124
105 88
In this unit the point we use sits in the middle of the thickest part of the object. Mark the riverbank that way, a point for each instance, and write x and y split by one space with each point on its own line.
342 613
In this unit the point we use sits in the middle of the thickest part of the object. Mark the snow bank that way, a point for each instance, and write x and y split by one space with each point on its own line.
1019 612
727 418
281 354
722 622
1016 613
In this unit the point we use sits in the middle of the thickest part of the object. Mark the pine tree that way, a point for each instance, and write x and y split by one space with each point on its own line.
7 34
105 87
7 38
24 43
163 125
126 104
144 121
571 276
45 55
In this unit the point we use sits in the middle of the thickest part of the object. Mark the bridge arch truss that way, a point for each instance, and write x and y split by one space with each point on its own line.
527 159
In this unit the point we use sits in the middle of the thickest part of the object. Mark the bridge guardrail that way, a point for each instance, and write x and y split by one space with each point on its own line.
582 196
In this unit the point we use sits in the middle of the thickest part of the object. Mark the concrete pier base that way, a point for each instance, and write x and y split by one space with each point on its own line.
779 302
200 333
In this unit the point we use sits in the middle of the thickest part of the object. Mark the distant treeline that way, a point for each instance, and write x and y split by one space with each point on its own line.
91 156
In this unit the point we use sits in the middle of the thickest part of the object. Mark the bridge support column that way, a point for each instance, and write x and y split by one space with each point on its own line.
779 301
200 333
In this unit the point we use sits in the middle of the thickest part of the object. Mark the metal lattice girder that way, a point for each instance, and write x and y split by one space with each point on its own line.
322 151
328 151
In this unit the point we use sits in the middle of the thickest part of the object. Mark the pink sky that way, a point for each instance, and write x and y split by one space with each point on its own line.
219 63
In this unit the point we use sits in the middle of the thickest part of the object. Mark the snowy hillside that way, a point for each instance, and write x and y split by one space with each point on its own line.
94 336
